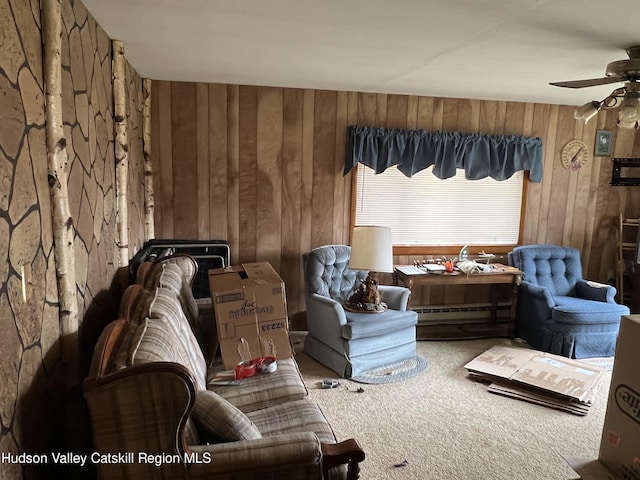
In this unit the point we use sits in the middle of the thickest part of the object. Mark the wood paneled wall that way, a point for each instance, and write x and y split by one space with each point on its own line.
262 168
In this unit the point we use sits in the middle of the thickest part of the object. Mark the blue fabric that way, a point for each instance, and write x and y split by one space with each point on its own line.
327 272
380 358
478 154
560 312
578 311
356 347
364 325
350 343
549 266
359 359
395 297
595 291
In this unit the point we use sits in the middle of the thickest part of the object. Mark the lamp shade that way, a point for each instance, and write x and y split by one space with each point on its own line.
587 111
371 249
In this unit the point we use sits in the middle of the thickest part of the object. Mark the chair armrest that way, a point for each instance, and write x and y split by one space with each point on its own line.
348 452
397 298
595 291
142 408
540 293
326 308
299 455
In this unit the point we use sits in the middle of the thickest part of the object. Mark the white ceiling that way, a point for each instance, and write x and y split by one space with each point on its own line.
480 49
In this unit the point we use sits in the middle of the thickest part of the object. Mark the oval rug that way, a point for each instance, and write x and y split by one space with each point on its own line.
395 372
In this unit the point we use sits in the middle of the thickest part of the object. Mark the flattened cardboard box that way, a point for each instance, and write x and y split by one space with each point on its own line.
538 377
619 456
250 308
561 377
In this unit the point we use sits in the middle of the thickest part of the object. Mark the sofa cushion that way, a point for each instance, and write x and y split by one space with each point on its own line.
165 335
106 348
264 390
219 421
153 341
187 265
171 276
166 306
191 435
156 341
135 318
291 417
129 301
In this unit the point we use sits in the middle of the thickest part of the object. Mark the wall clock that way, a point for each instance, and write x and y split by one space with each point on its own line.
575 154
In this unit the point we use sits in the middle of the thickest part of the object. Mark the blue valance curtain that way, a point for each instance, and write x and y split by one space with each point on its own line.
479 154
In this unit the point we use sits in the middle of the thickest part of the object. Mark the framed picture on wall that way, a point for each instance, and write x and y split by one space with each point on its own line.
604 141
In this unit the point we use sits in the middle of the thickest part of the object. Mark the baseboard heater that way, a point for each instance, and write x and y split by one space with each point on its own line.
462 313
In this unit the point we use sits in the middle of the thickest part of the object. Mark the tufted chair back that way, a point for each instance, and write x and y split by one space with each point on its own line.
327 272
550 266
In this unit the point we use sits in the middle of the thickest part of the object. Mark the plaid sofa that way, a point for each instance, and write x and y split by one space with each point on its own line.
155 415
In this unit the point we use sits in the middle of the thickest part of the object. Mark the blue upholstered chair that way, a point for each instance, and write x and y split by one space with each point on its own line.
346 342
559 311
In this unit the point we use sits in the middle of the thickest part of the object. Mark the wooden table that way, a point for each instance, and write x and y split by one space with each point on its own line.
463 327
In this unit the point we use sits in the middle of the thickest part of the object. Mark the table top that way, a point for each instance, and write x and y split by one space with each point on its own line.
496 269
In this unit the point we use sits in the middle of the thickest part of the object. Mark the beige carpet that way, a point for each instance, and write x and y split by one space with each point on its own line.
449 427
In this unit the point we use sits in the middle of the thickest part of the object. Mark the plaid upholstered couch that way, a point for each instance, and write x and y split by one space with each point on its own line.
154 414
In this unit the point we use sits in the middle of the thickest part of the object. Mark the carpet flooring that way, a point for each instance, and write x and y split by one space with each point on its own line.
441 425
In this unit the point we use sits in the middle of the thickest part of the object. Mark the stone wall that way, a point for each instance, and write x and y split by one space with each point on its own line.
28 294
32 400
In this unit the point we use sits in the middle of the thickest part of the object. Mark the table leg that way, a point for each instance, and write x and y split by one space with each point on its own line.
514 308
494 303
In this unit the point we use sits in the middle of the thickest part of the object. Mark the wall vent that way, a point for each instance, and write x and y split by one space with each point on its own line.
462 313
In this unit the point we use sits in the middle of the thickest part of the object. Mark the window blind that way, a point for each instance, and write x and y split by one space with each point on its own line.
424 210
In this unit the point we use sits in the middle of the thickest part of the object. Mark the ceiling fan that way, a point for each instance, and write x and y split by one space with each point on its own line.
626 97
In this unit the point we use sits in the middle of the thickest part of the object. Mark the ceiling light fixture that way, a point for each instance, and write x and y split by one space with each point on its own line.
614 99
587 111
627 98
629 115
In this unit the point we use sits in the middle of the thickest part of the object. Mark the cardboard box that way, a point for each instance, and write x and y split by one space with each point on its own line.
620 443
538 377
250 309
619 456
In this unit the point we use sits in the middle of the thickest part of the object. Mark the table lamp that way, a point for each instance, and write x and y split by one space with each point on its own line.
371 250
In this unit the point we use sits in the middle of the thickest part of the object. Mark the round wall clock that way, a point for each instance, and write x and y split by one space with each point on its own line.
575 154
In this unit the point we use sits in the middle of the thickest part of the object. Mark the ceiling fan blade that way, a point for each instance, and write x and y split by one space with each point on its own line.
592 82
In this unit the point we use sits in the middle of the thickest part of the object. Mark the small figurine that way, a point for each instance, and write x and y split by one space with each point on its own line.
367 297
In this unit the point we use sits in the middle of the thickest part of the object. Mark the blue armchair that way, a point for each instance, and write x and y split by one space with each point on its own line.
351 343
559 311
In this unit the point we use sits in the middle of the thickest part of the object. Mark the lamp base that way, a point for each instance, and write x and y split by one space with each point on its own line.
367 298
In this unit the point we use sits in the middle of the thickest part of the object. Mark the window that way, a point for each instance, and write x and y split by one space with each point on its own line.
426 211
